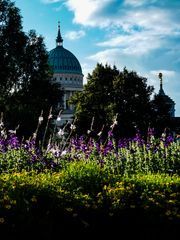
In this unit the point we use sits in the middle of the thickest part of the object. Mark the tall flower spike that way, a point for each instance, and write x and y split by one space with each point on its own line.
60 132
115 122
92 122
100 133
41 117
59 116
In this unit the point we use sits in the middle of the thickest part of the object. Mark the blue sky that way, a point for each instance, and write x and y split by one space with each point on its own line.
141 35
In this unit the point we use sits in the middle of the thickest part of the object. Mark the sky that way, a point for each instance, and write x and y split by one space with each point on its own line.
141 35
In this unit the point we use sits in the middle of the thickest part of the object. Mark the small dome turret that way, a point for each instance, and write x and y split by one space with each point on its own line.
166 99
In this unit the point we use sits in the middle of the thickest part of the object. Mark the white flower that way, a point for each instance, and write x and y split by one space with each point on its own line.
115 122
40 119
1 124
12 131
60 132
64 153
163 135
58 119
3 133
99 134
50 116
52 150
88 131
73 127
34 135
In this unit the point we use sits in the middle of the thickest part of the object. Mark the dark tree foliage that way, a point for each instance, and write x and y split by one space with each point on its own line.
26 86
132 103
109 93
12 41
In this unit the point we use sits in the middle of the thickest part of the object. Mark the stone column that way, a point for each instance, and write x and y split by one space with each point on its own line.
64 100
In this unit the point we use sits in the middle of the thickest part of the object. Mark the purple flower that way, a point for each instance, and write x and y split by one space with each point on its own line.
13 142
110 134
151 132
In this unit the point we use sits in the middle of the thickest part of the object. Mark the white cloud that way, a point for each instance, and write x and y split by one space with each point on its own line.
115 56
51 1
85 11
99 13
137 3
106 56
87 68
110 13
143 31
73 35
145 28
157 20
134 44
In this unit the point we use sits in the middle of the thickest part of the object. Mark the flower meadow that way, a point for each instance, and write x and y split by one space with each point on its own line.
89 185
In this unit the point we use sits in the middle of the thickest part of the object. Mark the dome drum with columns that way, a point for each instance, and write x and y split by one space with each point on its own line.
67 71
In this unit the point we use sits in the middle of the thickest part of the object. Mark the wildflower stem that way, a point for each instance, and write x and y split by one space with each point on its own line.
39 123
55 125
49 117
67 139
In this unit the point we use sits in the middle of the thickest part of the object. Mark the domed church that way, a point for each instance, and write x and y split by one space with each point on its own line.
67 71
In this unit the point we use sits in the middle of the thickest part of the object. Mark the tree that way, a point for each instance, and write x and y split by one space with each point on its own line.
12 41
132 103
25 75
109 93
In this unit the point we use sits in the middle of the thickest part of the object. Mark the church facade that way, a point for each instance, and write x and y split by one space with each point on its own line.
68 72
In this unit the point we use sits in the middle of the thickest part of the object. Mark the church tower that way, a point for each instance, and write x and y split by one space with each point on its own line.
165 98
68 72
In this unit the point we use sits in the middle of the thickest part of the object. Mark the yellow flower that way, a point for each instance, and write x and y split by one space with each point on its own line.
85 196
151 199
168 212
33 199
8 206
2 220
87 205
69 209
13 202
132 206
146 207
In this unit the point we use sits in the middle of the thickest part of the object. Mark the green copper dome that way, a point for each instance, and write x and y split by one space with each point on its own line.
61 60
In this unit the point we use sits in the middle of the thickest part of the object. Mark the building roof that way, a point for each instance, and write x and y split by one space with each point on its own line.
62 60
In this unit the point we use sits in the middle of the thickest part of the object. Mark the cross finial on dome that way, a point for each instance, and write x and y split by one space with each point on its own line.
59 39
